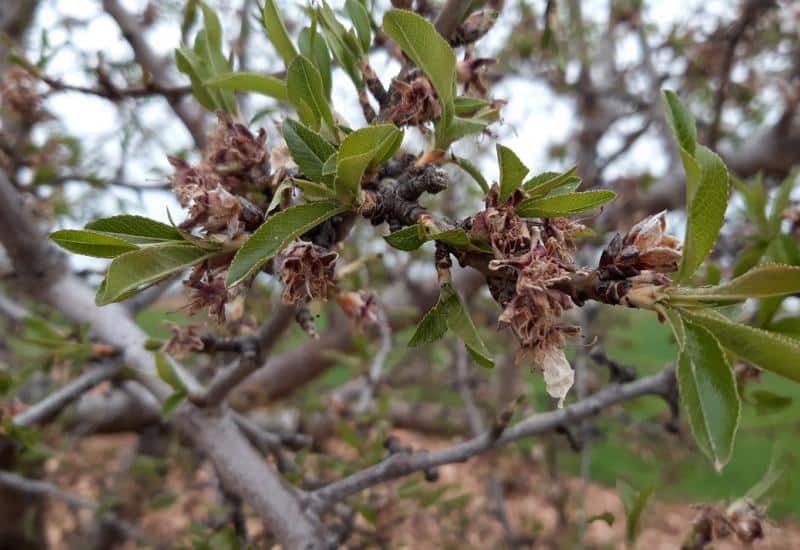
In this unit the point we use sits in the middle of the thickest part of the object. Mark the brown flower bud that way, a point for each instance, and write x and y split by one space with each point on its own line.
645 290
307 272
360 307
240 159
645 247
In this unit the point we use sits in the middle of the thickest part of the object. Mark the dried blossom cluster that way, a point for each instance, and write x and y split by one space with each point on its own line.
307 272
536 257
412 101
743 519
222 192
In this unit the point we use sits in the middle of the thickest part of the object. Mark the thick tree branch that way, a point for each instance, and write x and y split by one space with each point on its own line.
213 431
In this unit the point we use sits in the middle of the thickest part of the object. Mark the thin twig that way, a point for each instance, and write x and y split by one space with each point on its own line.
47 489
398 465
376 368
254 349
62 397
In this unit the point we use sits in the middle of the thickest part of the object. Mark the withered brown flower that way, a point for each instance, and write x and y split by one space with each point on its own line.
184 339
359 306
307 272
412 101
241 159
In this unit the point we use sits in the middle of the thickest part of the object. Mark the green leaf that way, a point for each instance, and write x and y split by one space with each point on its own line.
344 48
212 26
408 238
708 392
361 150
706 213
512 171
91 243
414 236
314 191
633 502
673 317
276 32
136 269
450 312
195 68
781 202
606 517
766 402
473 171
423 44
360 18
790 326
755 200
274 234
564 205
171 404
541 185
681 122
459 128
760 282
313 46
465 105
166 371
307 93
251 82
135 229
773 352
433 326
460 322
749 258
309 149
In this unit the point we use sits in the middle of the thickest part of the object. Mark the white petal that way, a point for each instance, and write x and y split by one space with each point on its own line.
558 374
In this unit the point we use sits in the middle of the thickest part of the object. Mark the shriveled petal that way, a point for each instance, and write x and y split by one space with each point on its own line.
558 374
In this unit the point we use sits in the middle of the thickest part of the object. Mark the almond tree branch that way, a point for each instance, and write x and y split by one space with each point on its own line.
46 489
402 464
63 396
213 431
253 348
451 15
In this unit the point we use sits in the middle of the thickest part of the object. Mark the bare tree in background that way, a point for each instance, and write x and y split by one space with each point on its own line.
278 364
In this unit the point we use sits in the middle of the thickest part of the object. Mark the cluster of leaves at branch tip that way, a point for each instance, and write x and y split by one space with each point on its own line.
251 211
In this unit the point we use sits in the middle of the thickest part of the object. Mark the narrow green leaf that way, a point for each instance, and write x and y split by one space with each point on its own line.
139 268
433 326
681 122
314 191
276 32
312 45
706 213
460 322
135 229
361 150
749 258
473 171
781 202
91 243
564 205
773 352
360 18
451 313
278 231
306 91
166 371
512 171
421 42
673 317
192 66
633 502
344 50
760 282
789 326
212 26
708 392
541 185
459 128
309 149
407 239
755 200
251 82
171 404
